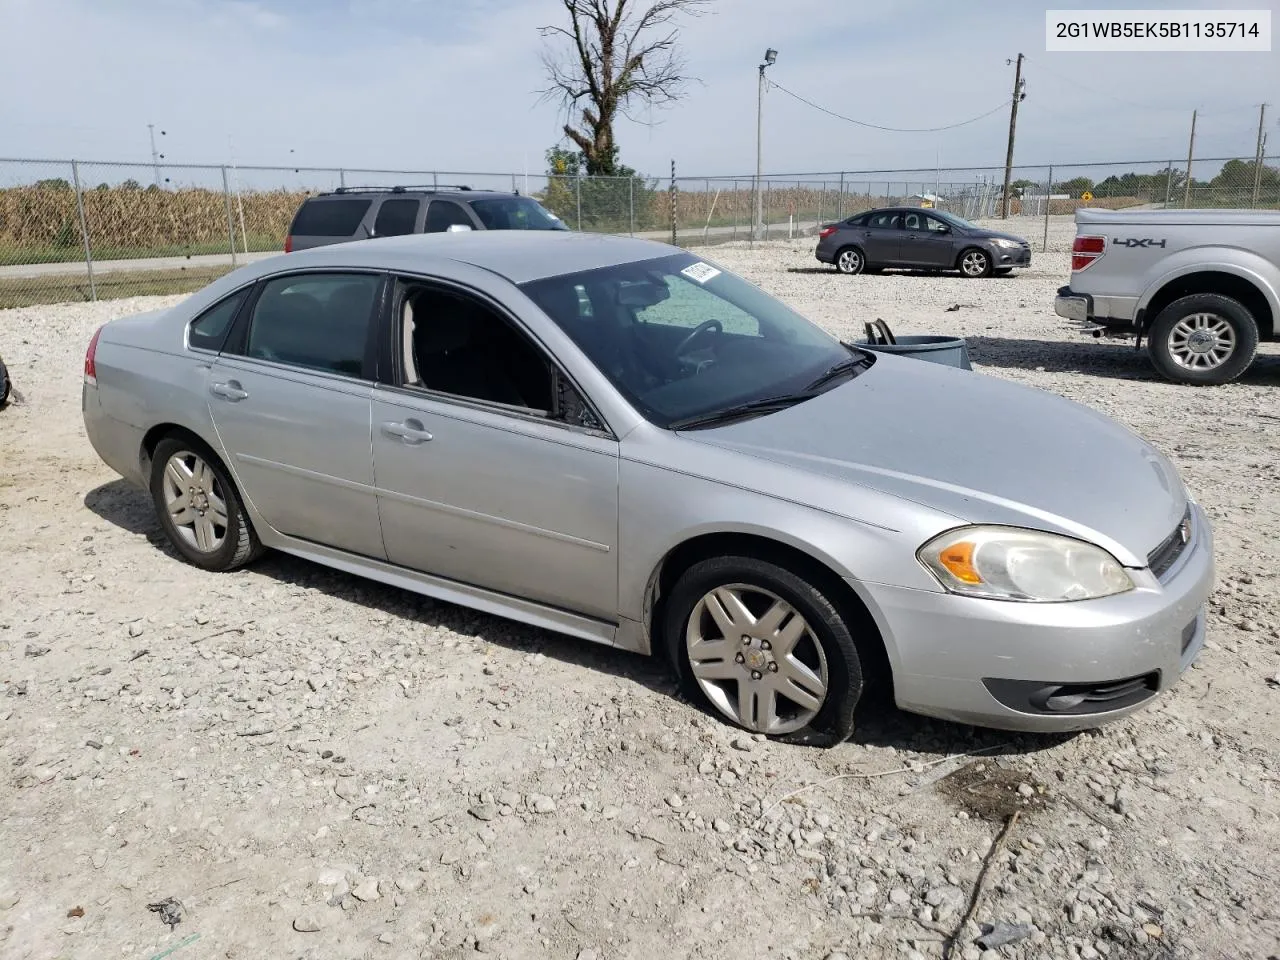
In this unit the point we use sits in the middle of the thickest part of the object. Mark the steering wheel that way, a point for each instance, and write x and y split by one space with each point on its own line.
701 330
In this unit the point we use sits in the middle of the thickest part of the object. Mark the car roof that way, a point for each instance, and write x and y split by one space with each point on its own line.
518 255
362 193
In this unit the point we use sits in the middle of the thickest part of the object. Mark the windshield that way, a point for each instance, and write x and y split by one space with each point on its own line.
515 213
681 338
954 220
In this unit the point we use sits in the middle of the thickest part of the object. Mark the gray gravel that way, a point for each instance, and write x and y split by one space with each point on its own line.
318 766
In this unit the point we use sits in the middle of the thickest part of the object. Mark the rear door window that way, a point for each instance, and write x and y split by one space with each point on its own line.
891 220
317 320
442 214
329 218
396 218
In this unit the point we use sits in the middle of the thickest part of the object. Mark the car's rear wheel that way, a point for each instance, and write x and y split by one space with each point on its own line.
768 650
1203 339
975 263
199 507
850 261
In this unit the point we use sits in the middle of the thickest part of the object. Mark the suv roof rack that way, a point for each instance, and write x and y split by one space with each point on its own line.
404 188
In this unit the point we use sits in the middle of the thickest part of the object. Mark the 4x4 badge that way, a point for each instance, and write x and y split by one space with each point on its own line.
1134 242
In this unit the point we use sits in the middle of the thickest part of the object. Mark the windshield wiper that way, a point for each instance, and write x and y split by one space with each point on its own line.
851 365
740 410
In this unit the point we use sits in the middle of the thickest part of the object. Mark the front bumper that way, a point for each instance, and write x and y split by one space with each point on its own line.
1047 667
1004 257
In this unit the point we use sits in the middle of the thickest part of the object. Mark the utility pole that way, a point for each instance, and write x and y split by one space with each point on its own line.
770 56
155 156
1191 149
1257 157
1013 125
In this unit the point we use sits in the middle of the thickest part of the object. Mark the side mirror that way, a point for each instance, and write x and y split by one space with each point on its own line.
459 228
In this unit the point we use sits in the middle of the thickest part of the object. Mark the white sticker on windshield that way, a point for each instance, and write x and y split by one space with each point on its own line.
701 272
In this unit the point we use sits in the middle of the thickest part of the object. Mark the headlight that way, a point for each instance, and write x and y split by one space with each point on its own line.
1006 244
1007 563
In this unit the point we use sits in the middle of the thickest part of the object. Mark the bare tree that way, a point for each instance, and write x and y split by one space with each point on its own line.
611 57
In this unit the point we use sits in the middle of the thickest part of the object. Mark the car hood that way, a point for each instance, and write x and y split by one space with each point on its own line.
978 448
981 233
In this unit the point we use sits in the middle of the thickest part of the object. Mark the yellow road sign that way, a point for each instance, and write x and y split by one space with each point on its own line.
1086 196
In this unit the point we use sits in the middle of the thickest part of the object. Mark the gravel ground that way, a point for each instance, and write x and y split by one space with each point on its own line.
310 765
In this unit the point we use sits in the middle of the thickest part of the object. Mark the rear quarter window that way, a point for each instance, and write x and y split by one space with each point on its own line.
209 330
329 218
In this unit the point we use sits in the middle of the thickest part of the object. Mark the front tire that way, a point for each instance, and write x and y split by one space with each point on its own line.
768 650
1203 339
975 263
850 261
5 384
199 507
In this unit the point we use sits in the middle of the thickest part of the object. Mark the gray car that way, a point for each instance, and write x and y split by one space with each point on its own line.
920 239
619 440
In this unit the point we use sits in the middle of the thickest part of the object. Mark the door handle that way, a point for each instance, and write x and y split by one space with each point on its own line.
410 431
229 391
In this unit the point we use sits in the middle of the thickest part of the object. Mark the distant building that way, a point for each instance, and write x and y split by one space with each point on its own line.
925 199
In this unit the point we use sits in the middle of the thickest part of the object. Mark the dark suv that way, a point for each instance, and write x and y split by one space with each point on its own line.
358 213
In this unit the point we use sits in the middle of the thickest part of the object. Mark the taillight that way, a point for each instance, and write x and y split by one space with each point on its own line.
288 244
826 231
1085 250
90 368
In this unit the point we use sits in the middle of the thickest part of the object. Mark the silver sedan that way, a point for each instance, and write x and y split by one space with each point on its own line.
623 441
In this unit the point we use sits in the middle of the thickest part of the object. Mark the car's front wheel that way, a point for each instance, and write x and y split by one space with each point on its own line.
199 506
767 649
850 261
975 263
1203 339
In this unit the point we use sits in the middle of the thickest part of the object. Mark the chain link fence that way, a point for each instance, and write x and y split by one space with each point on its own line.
88 230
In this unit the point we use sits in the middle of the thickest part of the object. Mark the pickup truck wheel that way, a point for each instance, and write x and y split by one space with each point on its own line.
1203 339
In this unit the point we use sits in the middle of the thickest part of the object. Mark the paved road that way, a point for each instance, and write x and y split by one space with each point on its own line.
77 267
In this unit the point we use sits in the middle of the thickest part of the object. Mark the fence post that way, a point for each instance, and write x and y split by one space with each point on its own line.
673 204
342 177
768 196
231 223
577 192
631 205
1168 185
84 230
435 180
1048 193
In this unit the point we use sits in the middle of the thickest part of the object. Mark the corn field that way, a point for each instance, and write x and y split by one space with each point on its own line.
69 228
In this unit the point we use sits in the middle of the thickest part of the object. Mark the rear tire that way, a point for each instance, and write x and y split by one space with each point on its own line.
1203 339
850 261
765 648
199 507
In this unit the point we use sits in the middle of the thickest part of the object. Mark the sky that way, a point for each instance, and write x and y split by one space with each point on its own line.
454 85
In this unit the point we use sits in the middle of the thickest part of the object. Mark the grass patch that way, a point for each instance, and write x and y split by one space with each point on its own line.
33 291
23 255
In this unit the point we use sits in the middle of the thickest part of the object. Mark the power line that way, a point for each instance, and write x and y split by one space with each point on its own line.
876 126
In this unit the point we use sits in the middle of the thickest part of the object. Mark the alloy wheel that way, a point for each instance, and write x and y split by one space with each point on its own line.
974 263
849 261
756 658
195 501
1201 341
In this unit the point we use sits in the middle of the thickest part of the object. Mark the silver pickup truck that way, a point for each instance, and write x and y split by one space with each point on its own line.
1202 286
